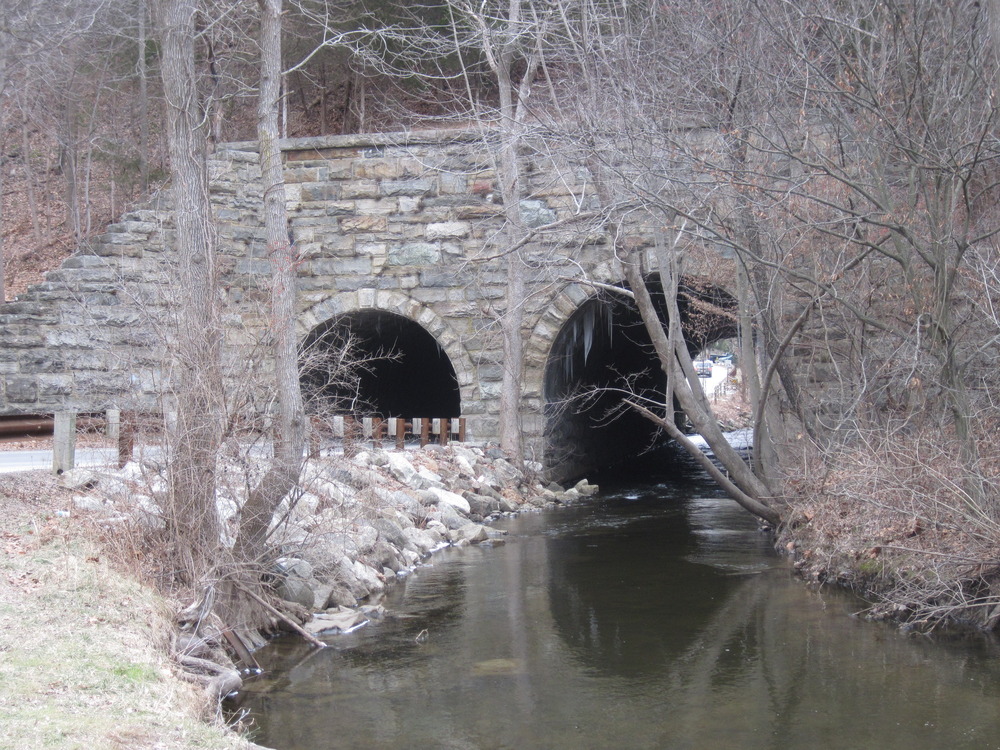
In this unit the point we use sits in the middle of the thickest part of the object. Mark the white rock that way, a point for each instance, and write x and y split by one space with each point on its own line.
472 533
418 541
451 498
90 503
472 455
339 494
449 516
401 467
306 505
410 557
78 479
431 479
369 577
447 229
464 466
294 566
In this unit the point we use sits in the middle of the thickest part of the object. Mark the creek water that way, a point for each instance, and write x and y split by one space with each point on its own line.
653 616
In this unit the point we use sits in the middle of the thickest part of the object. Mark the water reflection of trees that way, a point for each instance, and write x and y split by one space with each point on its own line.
603 611
761 663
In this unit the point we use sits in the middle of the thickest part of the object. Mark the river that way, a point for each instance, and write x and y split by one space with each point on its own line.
653 616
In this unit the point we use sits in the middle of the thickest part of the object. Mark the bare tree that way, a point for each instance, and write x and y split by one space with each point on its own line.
633 118
289 436
894 162
142 72
510 39
843 152
68 78
196 374
28 30
4 43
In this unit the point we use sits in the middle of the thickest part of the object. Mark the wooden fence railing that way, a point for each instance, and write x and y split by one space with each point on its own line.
353 431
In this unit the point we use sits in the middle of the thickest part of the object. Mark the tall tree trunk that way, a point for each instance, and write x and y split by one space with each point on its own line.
289 440
143 72
3 262
30 179
68 167
513 317
197 372
993 9
3 87
513 100
513 364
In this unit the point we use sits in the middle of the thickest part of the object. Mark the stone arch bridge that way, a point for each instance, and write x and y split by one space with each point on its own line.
396 235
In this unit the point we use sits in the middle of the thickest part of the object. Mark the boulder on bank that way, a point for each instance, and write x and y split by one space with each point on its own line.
470 533
445 497
298 590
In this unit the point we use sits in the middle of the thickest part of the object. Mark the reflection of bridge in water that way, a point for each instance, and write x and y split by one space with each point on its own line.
391 229
657 618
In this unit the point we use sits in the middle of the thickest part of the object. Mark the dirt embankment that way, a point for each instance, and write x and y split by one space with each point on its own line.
901 531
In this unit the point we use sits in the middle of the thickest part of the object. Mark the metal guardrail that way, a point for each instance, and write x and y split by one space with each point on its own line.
727 386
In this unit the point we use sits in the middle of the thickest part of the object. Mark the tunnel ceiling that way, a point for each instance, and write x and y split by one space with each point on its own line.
602 354
375 363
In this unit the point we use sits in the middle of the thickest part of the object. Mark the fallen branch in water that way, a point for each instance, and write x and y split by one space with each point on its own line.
283 617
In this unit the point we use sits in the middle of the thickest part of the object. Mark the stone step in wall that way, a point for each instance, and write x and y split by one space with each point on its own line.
79 340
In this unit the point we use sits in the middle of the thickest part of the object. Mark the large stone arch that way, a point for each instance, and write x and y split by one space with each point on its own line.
561 311
557 311
390 301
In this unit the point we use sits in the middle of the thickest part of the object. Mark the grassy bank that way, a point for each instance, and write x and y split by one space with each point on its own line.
83 648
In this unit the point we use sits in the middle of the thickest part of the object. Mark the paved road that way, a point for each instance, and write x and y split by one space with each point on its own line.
14 461
718 375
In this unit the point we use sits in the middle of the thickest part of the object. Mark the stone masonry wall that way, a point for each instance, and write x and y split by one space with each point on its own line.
393 222
403 222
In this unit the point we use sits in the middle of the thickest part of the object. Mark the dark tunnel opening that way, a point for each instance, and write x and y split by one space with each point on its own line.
379 364
604 354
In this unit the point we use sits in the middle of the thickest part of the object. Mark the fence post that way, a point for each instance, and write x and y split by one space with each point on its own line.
64 441
128 425
112 423
351 429
400 433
